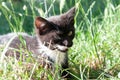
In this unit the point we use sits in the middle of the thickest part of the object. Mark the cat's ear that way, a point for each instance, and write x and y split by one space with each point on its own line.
70 14
42 25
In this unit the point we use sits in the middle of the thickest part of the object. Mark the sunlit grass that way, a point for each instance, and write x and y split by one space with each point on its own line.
96 50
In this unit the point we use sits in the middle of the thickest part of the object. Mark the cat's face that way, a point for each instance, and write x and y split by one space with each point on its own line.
57 32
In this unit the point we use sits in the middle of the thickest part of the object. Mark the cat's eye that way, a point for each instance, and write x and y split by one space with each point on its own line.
70 33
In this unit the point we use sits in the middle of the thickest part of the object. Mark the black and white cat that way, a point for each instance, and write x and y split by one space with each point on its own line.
54 36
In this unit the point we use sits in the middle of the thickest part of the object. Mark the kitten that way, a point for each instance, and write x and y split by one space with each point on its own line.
53 37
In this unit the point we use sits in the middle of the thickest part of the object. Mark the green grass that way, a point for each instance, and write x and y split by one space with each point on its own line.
96 50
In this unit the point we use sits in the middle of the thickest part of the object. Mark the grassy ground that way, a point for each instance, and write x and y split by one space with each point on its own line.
96 50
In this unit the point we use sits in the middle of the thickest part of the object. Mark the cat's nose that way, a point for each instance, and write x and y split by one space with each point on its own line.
65 42
68 44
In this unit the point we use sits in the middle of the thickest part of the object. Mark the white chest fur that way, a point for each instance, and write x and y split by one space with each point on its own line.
57 56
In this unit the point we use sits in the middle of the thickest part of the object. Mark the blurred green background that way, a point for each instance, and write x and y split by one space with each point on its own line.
96 43
27 18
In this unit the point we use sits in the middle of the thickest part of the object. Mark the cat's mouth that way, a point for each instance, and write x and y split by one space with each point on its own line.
62 48
58 47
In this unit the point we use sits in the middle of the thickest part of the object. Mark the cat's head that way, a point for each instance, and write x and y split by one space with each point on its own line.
56 32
